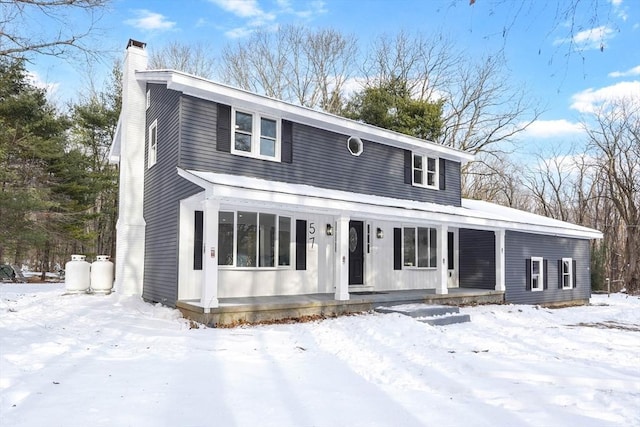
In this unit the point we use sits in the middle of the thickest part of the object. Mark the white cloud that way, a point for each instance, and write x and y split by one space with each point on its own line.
36 80
240 8
588 100
553 128
635 71
149 21
593 38
255 17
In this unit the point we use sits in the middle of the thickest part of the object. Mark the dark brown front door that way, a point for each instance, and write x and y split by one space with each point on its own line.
356 253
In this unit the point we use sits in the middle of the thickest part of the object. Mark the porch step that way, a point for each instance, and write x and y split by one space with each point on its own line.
431 314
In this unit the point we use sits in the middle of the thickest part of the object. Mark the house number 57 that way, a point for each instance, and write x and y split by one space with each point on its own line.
312 234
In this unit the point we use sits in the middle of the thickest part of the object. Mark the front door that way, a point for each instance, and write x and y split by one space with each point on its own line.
356 253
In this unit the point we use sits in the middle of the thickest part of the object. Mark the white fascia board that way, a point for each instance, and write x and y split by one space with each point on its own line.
239 190
212 91
114 150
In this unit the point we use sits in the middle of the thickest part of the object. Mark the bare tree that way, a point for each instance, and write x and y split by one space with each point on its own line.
614 136
482 112
189 58
44 26
295 64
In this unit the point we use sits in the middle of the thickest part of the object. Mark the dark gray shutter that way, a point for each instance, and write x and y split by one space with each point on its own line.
223 128
560 274
397 249
544 273
527 275
198 239
575 274
408 167
442 172
301 244
286 148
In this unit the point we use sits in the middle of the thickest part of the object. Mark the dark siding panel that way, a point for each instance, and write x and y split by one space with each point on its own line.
198 240
477 259
397 249
301 244
408 167
223 141
321 160
287 142
522 246
163 191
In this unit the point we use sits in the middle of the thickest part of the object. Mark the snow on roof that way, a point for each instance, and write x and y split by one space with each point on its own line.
472 213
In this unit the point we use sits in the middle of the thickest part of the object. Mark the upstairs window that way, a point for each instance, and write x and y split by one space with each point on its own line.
256 136
425 171
153 144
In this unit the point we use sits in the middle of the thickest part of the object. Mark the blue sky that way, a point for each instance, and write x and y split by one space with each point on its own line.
566 68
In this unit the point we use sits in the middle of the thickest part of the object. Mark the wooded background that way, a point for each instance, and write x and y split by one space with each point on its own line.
58 193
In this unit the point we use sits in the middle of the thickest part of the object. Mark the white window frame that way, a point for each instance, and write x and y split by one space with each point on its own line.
256 135
416 248
540 276
152 155
292 242
569 274
425 171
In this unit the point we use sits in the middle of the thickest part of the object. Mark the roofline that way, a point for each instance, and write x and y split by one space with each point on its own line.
298 196
217 92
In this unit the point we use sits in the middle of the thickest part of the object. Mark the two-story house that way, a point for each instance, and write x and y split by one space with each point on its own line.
226 194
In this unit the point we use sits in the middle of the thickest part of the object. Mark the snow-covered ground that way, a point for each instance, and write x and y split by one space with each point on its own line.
90 360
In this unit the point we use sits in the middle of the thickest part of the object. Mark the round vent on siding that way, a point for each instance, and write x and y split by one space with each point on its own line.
354 144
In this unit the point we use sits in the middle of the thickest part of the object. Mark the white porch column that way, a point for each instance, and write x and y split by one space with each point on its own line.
441 287
209 294
500 260
342 259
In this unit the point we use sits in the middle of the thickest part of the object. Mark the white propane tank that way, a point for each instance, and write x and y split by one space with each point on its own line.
102 275
77 275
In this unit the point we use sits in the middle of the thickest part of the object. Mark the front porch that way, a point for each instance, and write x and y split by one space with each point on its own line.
234 311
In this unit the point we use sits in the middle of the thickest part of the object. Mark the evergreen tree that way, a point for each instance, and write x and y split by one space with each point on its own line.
391 106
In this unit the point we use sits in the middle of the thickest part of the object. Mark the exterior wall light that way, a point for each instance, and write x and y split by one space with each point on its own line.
379 233
329 230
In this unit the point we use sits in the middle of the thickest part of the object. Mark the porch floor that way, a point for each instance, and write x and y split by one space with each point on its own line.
234 311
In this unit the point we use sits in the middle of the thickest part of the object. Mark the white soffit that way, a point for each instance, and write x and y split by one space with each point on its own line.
472 214
212 91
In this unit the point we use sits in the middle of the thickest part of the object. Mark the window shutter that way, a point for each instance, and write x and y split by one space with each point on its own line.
441 171
545 270
560 278
198 235
286 147
397 249
408 167
528 273
574 273
301 244
223 128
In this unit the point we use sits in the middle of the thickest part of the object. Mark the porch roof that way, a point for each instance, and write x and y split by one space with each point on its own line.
234 189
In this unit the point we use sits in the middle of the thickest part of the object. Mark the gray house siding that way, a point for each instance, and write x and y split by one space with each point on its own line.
320 159
520 247
477 259
163 191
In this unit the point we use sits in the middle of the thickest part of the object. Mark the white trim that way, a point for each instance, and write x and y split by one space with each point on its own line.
297 197
540 277
209 90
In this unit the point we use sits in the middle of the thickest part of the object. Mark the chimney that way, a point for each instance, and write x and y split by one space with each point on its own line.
130 228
